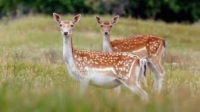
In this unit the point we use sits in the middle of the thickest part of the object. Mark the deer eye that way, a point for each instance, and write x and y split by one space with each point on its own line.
60 25
72 25
101 25
111 26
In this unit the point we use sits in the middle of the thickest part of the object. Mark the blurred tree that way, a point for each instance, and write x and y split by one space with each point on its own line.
167 10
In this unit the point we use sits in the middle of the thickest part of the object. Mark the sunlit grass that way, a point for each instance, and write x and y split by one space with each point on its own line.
33 76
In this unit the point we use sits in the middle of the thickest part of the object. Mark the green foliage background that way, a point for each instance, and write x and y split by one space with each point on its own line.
167 10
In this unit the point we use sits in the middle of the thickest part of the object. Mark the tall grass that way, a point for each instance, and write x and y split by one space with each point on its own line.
33 76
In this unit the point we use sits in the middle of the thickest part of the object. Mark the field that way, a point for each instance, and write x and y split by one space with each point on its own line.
33 76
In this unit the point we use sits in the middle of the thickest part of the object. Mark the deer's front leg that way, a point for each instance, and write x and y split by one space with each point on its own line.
83 85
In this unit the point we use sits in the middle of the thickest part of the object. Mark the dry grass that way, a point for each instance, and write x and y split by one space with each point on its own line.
33 76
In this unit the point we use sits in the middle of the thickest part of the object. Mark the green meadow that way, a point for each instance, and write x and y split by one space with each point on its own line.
33 76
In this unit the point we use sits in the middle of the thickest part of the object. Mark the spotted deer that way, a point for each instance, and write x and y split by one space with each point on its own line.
147 46
107 70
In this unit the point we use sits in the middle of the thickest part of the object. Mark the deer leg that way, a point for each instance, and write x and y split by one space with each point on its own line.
133 83
136 88
156 68
83 85
161 76
117 90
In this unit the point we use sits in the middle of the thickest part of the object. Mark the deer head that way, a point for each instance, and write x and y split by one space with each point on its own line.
66 26
106 26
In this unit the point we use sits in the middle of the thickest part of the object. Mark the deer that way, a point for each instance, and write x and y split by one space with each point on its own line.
106 70
146 46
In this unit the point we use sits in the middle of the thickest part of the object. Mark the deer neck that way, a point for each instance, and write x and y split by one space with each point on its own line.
106 44
68 50
69 59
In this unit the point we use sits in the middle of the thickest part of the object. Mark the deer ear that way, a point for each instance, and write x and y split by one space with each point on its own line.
76 18
98 19
114 20
57 18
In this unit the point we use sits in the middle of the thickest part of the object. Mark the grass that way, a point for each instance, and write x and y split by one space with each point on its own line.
33 76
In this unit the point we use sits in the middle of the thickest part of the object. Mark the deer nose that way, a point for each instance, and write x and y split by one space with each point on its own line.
65 33
106 33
